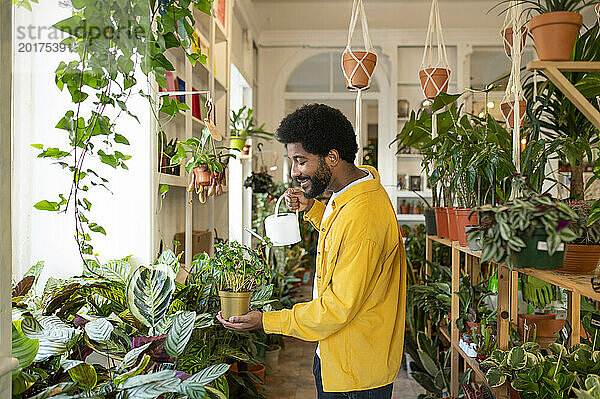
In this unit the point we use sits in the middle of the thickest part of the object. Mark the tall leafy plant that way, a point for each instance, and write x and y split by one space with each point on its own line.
111 40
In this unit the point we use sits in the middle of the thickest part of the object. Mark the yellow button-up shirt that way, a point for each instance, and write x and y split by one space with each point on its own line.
358 317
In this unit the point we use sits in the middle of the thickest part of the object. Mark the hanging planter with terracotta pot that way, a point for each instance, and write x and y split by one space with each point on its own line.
507 38
508 112
555 33
358 65
434 77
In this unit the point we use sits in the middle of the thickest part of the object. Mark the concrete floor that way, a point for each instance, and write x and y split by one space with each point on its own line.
293 379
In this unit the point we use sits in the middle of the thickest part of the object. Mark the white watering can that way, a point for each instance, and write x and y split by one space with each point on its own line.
282 228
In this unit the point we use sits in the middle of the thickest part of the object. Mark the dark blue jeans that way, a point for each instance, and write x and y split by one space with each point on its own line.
375 393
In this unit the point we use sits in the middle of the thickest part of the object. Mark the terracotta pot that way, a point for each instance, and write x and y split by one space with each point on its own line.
441 222
508 112
546 325
473 326
463 220
417 210
202 175
405 209
581 259
507 35
256 369
555 33
359 79
452 224
434 81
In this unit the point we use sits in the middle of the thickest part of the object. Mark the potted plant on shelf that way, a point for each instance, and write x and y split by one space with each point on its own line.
237 271
485 341
205 166
556 27
242 126
167 151
583 254
555 121
405 208
529 231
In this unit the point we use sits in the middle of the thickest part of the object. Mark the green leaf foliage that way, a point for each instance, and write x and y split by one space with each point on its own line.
180 333
149 293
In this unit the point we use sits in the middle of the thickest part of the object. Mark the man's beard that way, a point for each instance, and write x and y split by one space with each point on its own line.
319 182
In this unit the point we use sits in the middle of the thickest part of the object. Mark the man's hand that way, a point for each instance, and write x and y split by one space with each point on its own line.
296 201
247 322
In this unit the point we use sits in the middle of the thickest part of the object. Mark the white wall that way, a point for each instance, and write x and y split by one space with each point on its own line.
126 214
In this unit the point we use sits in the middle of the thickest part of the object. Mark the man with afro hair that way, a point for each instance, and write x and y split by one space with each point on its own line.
358 307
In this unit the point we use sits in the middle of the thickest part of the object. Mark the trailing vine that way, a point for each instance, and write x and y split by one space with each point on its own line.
112 40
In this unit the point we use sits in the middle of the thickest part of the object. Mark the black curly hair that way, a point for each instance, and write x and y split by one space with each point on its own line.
319 128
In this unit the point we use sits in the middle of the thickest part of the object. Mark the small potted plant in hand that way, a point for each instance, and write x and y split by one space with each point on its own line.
236 270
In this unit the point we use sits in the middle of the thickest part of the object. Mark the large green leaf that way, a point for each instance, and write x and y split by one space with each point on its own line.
131 357
193 390
516 359
210 373
140 380
54 338
495 377
116 270
180 333
99 330
169 258
155 389
23 348
84 375
149 293
137 370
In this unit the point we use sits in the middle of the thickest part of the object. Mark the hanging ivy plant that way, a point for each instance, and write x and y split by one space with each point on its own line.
111 41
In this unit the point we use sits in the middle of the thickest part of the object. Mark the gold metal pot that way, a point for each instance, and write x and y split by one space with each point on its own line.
234 303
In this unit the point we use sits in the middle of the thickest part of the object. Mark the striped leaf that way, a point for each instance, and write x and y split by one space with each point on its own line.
131 357
154 389
84 375
114 294
176 306
99 330
149 293
193 390
116 270
31 327
23 286
23 348
54 338
209 374
204 320
68 364
219 394
133 372
54 390
180 333
150 378
169 258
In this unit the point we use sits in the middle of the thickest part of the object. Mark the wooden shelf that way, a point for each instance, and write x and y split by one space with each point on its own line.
554 71
444 241
171 180
472 363
577 283
221 35
466 250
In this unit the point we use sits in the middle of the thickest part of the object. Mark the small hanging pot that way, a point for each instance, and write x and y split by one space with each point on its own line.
358 68
434 81
202 176
508 112
507 38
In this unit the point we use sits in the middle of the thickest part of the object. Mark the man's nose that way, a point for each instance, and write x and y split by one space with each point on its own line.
295 172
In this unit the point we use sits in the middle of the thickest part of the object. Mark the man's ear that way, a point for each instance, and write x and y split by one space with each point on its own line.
333 158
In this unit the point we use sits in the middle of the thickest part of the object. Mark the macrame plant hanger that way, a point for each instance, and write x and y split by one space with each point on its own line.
434 76
513 104
358 65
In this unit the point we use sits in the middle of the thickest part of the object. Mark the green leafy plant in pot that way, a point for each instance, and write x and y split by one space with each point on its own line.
583 254
529 231
242 126
556 27
167 151
237 271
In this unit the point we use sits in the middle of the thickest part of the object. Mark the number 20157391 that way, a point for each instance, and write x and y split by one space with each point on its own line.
42 47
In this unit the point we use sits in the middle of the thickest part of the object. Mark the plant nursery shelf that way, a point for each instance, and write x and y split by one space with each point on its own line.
578 283
466 250
444 241
171 180
410 218
554 71
472 363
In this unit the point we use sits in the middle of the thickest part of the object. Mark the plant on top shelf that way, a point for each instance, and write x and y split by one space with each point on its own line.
556 27
567 133
237 271
242 126
513 233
